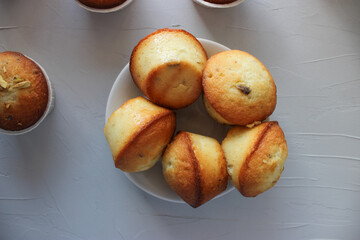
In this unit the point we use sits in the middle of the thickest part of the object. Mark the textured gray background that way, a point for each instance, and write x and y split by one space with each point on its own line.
59 182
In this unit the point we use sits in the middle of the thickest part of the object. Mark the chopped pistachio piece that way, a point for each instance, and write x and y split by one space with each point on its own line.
23 84
17 79
3 83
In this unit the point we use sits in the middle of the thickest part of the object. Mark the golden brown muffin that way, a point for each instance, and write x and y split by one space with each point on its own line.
194 166
102 4
255 157
137 133
238 89
24 92
167 66
220 1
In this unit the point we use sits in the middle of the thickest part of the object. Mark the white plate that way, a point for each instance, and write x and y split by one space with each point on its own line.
192 119
214 5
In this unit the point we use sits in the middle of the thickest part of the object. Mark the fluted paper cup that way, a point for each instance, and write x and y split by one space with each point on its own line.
48 110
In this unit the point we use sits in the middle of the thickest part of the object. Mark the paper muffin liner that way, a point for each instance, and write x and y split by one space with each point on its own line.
105 10
217 5
49 108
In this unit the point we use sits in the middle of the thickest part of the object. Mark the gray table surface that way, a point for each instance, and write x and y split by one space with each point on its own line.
59 181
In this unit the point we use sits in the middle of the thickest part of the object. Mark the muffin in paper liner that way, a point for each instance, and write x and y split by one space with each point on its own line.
49 108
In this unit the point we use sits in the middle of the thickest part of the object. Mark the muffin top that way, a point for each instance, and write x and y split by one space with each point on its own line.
194 166
167 66
239 87
255 157
102 4
220 1
137 132
24 92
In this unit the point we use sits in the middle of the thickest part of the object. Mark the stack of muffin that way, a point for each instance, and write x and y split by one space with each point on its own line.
172 70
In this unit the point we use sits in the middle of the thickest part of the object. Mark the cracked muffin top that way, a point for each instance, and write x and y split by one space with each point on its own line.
24 92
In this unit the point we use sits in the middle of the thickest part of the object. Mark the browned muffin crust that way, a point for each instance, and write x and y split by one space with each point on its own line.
194 183
162 127
220 1
102 4
258 171
137 133
24 96
190 189
156 97
245 175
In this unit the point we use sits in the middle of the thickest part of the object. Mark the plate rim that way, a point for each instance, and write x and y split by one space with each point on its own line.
129 175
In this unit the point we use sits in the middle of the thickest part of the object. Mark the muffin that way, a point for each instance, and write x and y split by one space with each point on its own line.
137 133
167 66
238 89
220 1
195 168
24 92
255 157
102 4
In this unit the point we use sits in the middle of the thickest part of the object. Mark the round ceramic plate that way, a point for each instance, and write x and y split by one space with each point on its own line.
193 119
